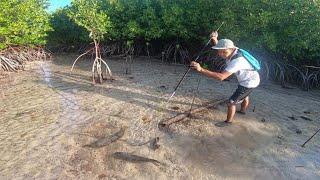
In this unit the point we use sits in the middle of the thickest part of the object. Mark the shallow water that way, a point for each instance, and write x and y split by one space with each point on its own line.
48 113
36 123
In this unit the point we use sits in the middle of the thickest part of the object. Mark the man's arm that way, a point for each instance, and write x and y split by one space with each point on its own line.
219 76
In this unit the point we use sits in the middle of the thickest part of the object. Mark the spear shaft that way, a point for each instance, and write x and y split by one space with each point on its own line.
185 74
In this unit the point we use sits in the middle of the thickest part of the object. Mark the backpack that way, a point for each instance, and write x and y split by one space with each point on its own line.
252 60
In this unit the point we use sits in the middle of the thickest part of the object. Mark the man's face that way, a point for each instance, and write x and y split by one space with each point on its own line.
225 53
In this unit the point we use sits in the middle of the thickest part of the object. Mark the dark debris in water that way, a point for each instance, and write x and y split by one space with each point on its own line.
154 143
101 142
310 112
175 108
292 118
133 158
306 118
162 87
298 131
280 137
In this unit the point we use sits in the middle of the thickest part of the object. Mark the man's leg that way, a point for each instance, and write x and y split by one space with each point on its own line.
245 104
239 96
231 112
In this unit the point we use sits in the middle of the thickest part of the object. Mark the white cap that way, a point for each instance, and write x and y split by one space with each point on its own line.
224 44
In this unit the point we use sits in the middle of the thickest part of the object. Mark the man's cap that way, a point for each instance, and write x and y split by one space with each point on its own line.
224 44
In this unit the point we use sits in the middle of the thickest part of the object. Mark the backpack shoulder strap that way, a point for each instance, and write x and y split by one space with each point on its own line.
252 60
239 54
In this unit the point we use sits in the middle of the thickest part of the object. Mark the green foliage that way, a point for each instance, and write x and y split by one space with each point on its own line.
300 30
88 14
65 31
188 19
134 19
288 28
23 22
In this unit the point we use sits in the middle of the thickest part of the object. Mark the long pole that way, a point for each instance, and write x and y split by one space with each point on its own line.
194 96
185 74
309 138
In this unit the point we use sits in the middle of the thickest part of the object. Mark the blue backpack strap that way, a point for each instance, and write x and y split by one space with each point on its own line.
252 60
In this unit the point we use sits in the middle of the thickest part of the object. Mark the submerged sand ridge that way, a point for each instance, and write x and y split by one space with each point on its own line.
48 115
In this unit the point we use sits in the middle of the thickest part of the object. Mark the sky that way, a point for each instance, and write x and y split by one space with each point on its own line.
55 4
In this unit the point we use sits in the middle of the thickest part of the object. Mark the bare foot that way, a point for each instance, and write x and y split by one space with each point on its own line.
241 112
223 123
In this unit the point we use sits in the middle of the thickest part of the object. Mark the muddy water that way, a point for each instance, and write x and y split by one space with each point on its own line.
36 123
48 114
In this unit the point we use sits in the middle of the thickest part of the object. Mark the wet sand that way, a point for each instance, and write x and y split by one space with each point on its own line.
49 113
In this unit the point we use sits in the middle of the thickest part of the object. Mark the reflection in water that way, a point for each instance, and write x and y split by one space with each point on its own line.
36 125
46 74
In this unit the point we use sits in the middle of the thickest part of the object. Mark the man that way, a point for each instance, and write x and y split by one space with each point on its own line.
247 77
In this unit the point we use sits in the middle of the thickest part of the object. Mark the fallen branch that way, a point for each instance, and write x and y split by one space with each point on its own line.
182 116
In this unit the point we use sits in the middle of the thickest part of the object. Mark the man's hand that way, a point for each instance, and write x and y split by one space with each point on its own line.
196 66
214 37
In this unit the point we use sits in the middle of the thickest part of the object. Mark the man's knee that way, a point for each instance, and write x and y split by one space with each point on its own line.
246 99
